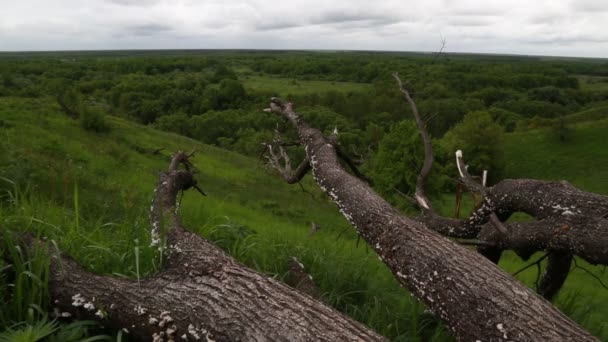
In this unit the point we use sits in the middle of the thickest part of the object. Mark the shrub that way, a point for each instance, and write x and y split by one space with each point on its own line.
92 119
481 141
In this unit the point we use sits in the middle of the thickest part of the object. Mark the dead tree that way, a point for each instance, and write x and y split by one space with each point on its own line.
568 221
201 294
476 300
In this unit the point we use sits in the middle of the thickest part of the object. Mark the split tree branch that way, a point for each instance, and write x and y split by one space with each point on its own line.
475 299
201 294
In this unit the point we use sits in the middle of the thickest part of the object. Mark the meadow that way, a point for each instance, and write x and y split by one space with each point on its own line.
83 137
90 193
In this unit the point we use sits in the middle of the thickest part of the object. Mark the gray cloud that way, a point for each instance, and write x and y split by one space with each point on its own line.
335 19
136 3
470 21
569 40
269 26
148 29
338 17
501 26
589 6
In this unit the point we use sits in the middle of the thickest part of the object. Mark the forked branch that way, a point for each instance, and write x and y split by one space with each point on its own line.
200 294
475 299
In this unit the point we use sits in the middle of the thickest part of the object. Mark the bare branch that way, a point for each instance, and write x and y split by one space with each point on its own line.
300 279
537 262
420 195
313 228
558 267
465 177
497 224
279 160
432 267
441 48
576 265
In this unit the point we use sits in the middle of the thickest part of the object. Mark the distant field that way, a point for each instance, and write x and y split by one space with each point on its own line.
583 160
598 112
593 83
286 86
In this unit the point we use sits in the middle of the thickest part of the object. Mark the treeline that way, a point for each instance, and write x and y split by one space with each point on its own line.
468 101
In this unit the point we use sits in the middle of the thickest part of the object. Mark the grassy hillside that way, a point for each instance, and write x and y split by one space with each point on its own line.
91 192
258 218
582 159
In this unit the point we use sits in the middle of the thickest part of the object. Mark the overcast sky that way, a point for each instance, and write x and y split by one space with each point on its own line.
541 27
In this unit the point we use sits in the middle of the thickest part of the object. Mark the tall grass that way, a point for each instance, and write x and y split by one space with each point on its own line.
102 222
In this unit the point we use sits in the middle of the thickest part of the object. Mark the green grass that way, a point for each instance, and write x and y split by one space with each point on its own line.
593 83
598 112
291 86
582 160
91 192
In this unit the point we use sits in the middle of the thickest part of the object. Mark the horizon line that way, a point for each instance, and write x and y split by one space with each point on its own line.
303 50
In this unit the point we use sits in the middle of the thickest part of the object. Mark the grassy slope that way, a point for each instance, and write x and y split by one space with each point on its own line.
115 184
583 161
593 83
41 147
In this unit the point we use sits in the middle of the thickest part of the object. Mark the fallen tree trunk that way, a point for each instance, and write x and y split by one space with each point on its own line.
568 221
201 294
475 299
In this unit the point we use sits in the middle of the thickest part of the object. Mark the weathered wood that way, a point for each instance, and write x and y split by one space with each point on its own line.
201 294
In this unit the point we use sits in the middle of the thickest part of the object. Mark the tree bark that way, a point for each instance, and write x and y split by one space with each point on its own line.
201 294
475 299
558 268
568 220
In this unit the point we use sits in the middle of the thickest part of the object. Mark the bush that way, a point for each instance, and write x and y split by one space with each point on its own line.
178 123
92 119
561 131
481 141
398 162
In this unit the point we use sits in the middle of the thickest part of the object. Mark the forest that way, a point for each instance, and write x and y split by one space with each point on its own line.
85 134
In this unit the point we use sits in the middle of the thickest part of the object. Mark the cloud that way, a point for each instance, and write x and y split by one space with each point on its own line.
569 40
135 3
470 21
501 26
269 26
589 6
149 29
339 17
335 19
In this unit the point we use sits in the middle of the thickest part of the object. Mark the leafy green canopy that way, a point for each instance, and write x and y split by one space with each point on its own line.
479 137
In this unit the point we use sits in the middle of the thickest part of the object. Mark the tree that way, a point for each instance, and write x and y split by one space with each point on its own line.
200 294
178 123
93 119
231 93
475 299
399 157
479 137
465 289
